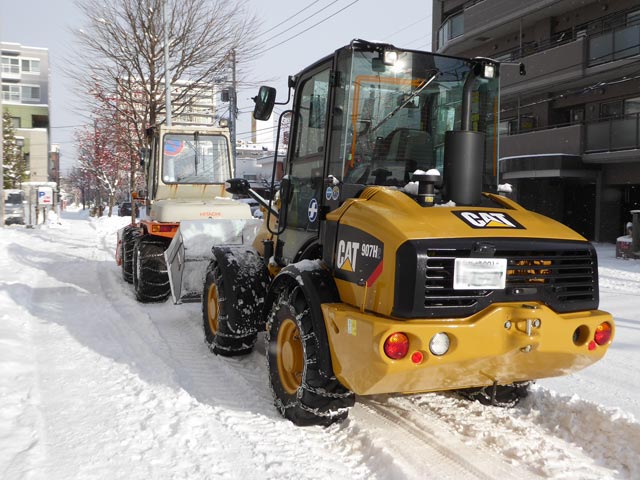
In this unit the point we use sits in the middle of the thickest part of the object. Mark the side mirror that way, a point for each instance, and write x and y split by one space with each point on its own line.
145 154
265 100
237 186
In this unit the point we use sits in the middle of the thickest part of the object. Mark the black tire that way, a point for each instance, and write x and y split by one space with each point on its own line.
301 392
498 395
232 301
150 276
129 236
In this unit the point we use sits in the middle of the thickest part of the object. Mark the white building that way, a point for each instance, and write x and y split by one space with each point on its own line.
25 95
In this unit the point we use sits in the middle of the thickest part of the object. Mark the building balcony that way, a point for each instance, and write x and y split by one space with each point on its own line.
613 135
603 141
565 140
616 44
487 15
482 20
548 67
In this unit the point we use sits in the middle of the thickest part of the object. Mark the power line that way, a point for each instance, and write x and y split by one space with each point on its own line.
416 40
409 26
287 19
301 21
307 29
579 91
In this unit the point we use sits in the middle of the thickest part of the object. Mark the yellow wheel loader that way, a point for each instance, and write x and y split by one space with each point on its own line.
185 171
389 262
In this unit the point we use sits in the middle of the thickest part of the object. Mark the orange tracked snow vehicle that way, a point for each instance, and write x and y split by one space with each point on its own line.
185 173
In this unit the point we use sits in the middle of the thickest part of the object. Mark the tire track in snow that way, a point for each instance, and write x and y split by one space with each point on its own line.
522 438
421 451
610 281
543 434
235 389
144 412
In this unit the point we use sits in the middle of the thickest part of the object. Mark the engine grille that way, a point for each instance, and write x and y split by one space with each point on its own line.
563 275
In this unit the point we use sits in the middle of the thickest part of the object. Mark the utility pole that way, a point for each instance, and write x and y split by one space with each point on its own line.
1 163
167 84
233 108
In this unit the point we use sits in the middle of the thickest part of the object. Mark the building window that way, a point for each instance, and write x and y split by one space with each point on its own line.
451 28
11 65
30 65
631 106
511 127
504 127
30 93
11 93
577 115
16 122
620 39
611 109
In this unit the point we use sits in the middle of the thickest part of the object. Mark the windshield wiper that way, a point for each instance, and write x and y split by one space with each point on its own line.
410 97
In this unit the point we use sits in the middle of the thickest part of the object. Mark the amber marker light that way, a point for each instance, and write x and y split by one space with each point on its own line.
396 346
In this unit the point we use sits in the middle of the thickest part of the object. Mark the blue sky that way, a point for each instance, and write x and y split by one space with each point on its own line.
48 24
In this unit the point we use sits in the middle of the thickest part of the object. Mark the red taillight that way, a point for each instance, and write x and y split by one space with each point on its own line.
396 346
163 228
417 357
603 333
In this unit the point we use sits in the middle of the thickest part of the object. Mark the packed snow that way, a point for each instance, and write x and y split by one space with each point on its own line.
94 385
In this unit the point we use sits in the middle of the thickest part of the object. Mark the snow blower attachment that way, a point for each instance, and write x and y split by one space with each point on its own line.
190 252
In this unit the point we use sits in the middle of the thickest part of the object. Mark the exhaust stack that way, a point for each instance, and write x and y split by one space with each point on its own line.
464 149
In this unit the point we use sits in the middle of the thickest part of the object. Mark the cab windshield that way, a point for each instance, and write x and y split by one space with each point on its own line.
195 159
398 110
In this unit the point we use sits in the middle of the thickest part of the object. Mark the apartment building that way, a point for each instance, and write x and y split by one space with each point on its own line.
569 128
25 95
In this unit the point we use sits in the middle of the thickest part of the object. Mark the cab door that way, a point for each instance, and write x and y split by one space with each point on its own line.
307 152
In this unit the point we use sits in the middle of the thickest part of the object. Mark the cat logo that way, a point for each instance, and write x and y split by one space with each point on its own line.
347 255
477 219
358 256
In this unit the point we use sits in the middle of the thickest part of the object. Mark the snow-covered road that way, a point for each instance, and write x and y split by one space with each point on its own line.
96 385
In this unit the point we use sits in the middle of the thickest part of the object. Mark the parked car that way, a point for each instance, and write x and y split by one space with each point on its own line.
125 209
14 203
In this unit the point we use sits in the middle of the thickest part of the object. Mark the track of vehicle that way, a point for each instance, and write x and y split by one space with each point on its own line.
419 436
149 384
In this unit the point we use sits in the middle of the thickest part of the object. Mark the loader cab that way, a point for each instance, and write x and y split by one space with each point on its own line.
187 162
373 115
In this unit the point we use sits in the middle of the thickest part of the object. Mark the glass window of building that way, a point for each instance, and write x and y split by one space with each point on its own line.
11 93
10 65
30 65
30 93
632 105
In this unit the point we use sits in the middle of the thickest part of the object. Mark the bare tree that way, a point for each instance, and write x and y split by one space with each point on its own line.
121 53
100 154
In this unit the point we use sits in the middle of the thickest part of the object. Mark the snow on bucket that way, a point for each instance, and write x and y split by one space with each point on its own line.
189 253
